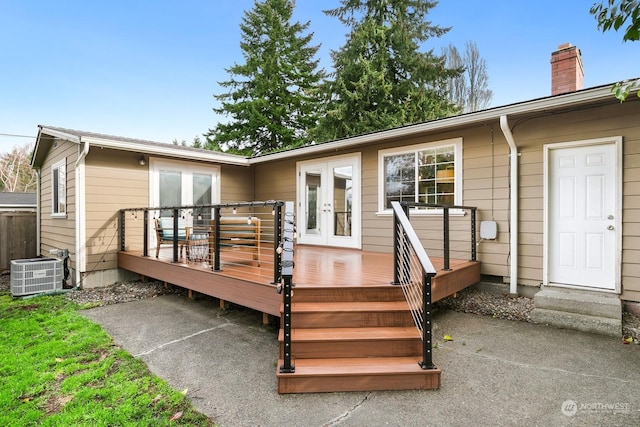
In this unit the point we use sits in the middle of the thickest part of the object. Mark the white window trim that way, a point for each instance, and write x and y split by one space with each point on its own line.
55 168
456 142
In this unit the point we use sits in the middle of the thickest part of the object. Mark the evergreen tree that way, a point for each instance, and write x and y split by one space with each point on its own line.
272 97
381 78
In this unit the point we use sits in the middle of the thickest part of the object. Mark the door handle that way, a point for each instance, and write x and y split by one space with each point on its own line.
610 227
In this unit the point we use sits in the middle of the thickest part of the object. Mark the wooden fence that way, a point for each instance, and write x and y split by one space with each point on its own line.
17 237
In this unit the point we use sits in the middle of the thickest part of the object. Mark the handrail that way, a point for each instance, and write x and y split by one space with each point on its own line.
414 271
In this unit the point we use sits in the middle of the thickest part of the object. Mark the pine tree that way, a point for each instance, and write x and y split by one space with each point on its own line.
382 79
272 97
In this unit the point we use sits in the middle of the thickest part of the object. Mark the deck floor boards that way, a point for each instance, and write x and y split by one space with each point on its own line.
315 267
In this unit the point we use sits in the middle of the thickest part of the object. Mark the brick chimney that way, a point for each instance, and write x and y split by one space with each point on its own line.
567 74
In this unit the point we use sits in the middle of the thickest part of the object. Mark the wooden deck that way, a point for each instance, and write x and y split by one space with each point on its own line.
353 330
244 283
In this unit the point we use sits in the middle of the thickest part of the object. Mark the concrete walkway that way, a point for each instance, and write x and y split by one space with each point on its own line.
495 372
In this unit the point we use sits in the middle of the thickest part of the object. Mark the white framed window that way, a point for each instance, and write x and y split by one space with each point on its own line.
423 173
59 189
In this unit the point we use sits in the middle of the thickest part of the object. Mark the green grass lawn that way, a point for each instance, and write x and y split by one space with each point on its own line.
58 368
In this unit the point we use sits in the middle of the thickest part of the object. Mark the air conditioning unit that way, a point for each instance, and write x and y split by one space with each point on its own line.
35 275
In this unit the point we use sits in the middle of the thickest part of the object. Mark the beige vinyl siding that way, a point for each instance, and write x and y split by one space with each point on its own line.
276 180
598 122
480 184
486 185
58 232
631 209
236 184
114 180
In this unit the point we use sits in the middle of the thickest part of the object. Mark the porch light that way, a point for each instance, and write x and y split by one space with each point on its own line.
249 221
142 161
234 211
199 216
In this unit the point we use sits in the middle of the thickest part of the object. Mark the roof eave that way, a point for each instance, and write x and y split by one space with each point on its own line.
170 151
213 156
542 104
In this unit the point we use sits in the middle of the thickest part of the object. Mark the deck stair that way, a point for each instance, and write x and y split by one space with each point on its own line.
353 339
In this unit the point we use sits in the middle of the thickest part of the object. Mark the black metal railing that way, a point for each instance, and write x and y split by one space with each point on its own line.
466 236
413 271
204 231
285 248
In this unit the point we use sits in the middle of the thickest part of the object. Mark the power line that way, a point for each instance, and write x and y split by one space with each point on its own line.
17 136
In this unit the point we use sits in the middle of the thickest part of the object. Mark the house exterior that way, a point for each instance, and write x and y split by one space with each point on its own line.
557 177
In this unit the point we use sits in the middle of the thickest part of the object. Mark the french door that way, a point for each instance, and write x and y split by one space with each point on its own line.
175 184
329 202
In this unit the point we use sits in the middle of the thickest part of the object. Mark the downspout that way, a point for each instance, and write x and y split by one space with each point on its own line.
38 211
80 241
513 198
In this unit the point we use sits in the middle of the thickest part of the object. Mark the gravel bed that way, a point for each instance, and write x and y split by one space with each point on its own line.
468 301
488 304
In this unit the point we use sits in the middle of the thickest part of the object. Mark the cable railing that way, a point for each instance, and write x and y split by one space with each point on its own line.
413 271
461 239
239 237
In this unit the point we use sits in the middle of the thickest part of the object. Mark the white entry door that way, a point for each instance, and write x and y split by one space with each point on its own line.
583 216
329 202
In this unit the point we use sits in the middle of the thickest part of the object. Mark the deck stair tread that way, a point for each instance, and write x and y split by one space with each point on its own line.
356 365
350 334
328 307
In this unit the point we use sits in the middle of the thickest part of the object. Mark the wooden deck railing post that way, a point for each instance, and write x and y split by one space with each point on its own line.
427 339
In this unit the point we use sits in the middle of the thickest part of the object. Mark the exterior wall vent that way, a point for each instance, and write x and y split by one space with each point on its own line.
35 275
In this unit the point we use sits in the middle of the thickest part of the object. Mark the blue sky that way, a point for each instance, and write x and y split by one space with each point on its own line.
149 70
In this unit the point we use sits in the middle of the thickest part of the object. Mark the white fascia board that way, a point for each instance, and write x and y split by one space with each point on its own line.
167 151
61 135
543 104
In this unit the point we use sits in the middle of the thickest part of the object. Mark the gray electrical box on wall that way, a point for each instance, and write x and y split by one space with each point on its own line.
488 230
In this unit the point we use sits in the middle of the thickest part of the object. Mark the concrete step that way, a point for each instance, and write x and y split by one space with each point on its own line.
589 303
580 322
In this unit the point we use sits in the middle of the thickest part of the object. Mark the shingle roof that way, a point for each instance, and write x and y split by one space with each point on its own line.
81 133
18 199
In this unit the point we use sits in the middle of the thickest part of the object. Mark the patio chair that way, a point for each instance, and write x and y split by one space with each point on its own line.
164 233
